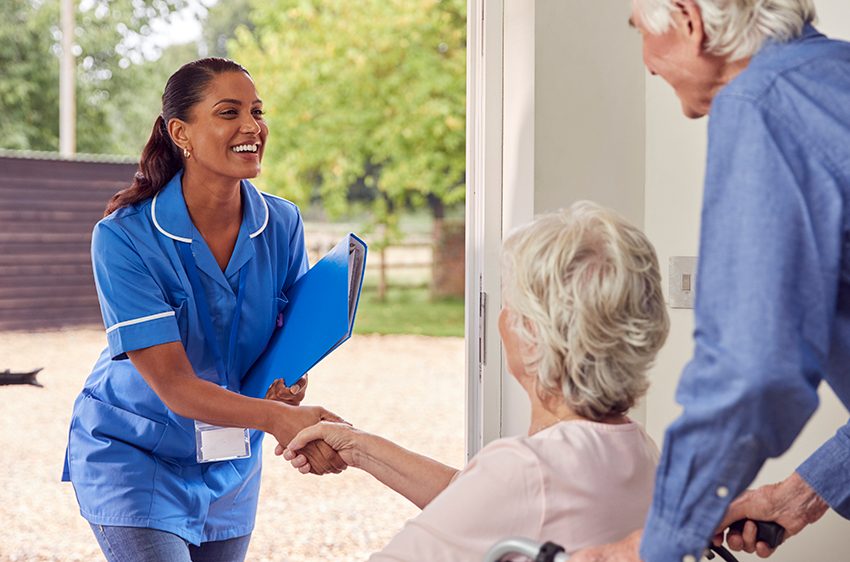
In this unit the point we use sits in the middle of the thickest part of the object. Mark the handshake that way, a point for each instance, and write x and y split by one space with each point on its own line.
311 438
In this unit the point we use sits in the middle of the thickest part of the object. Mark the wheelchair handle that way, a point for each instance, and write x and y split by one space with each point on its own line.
766 531
547 552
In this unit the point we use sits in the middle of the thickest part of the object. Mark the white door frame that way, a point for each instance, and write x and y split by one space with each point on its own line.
500 196
483 221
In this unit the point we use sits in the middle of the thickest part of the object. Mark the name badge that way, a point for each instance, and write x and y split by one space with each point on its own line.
214 443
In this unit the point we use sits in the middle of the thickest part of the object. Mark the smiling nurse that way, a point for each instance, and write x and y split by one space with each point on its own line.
192 264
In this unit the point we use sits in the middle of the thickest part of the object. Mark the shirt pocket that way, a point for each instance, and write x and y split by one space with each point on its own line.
278 305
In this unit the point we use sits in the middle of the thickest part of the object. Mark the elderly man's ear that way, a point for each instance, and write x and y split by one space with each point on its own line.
687 19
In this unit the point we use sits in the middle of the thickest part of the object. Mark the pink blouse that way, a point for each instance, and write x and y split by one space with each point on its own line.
576 483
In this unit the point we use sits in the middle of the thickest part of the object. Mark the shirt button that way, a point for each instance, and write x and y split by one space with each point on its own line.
722 492
689 558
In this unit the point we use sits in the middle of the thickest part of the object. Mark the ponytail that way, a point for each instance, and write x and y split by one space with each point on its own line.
160 161
161 158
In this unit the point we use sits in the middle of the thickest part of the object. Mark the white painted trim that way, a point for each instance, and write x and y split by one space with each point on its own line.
483 220
139 320
266 205
162 230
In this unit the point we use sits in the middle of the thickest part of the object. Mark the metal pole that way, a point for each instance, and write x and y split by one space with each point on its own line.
67 99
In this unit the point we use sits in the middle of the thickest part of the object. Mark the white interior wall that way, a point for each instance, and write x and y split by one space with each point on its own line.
573 122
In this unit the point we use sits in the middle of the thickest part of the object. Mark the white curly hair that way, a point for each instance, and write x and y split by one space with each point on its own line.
583 293
735 28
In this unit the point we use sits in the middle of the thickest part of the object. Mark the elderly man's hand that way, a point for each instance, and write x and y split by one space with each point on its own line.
292 395
792 503
625 550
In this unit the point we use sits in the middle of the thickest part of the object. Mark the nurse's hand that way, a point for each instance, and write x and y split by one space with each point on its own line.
341 437
292 395
323 459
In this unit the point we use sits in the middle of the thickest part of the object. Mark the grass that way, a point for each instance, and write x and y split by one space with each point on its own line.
408 310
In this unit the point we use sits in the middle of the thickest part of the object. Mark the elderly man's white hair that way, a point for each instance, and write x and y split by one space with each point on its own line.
582 289
735 28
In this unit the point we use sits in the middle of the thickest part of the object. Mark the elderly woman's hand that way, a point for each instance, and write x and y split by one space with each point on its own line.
340 437
292 395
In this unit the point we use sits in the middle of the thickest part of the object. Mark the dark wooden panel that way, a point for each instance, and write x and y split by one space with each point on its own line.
49 269
47 211
73 317
9 282
47 256
72 170
36 214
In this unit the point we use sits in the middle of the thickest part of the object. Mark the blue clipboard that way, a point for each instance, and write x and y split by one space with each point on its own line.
318 318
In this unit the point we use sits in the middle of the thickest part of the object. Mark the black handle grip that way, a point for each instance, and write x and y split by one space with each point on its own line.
767 531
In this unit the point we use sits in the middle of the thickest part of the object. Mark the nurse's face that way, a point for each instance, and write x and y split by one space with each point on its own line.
226 133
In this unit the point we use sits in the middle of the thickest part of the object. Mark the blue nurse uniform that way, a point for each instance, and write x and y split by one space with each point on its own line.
132 460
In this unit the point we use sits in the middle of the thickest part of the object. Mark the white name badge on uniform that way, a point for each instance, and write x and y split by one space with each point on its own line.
214 443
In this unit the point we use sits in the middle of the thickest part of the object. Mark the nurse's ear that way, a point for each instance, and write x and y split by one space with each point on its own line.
179 133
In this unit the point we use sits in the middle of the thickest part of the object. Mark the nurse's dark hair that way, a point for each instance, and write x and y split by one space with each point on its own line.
161 158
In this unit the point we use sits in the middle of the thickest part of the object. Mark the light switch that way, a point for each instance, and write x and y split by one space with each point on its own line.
682 281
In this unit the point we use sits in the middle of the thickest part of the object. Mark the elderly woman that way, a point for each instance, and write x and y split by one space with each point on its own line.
583 318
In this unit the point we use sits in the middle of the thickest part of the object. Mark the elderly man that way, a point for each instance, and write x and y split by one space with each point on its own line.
773 296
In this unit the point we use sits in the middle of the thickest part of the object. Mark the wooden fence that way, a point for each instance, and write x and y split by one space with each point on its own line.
47 210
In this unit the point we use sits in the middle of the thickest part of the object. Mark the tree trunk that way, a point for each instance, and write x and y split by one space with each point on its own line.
382 277
438 211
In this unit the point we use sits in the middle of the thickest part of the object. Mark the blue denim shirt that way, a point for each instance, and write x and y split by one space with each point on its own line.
773 293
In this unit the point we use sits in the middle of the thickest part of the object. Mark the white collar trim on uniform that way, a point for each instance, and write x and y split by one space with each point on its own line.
266 208
162 230
252 214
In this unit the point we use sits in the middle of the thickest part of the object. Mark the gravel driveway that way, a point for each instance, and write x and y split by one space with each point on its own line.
407 388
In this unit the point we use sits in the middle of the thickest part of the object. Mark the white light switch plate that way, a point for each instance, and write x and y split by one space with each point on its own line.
682 281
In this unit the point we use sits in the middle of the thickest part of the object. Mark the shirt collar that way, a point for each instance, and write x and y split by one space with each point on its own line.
809 32
171 217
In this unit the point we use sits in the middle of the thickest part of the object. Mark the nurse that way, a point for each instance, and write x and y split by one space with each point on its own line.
192 264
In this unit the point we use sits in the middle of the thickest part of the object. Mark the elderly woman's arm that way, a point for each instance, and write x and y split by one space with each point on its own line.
417 477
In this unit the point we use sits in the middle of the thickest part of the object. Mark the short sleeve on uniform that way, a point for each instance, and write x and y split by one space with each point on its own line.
135 312
498 495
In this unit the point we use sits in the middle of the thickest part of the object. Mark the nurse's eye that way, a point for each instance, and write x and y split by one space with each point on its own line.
258 113
229 113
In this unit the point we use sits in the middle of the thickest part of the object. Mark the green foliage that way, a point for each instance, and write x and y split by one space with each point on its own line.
29 83
221 23
369 92
117 89
409 311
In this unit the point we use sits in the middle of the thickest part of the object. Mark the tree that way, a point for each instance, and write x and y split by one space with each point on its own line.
369 92
116 96
220 24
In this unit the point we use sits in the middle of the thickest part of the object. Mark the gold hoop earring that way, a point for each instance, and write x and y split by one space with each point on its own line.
186 153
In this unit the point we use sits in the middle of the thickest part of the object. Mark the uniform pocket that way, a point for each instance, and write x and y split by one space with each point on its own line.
106 424
278 305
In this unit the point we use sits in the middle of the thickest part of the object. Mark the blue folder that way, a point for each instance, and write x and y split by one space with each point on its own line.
318 318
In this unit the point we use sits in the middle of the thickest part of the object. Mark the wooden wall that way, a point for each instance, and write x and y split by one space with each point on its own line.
47 211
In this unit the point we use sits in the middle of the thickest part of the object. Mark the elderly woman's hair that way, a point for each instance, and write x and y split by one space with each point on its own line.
735 28
583 292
